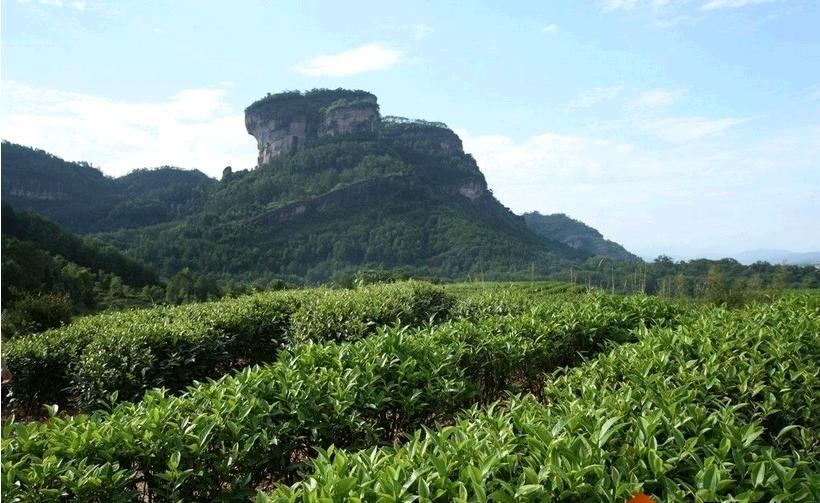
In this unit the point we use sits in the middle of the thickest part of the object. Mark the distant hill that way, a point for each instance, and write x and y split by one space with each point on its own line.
338 188
778 257
576 234
749 257
82 199
90 253
49 274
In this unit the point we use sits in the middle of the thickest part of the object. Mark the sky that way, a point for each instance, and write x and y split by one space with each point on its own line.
673 126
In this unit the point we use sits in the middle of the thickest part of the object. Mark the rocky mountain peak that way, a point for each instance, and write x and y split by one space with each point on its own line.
286 122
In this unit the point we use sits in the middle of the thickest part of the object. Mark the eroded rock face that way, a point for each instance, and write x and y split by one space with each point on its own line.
286 122
276 137
347 120
471 190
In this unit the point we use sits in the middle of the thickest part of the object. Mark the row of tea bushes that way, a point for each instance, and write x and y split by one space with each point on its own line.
124 354
723 408
222 439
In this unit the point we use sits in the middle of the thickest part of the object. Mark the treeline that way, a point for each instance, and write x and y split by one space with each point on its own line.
724 281
50 276
90 253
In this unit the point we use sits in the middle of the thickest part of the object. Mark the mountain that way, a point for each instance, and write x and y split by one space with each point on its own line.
577 235
338 188
81 198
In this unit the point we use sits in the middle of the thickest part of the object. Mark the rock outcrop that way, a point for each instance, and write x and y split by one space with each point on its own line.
286 122
432 136
349 120
471 190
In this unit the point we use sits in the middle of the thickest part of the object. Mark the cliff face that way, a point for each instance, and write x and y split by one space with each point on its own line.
276 137
346 120
286 122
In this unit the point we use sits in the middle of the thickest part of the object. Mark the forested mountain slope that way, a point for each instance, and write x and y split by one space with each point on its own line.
338 188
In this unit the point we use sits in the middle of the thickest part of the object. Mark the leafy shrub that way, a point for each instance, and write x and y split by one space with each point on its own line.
707 411
131 352
219 440
35 313
352 314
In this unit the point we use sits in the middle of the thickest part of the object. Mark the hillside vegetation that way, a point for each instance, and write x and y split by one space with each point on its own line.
50 275
398 392
347 191
705 411
223 438
576 234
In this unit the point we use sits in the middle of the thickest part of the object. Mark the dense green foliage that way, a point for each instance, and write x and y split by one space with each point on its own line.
289 105
724 407
132 351
405 196
560 227
50 275
89 253
81 199
221 439
723 281
340 206
32 313
67 192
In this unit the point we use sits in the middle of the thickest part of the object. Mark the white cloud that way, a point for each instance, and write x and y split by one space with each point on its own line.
550 28
613 5
655 98
644 115
687 129
77 4
595 96
662 196
731 4
195 128
373 56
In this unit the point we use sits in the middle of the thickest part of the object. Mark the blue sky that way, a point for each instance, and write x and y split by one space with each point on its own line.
677 126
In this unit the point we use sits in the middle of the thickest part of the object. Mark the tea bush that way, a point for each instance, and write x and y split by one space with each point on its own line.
348 315
722 408
130 352
221 439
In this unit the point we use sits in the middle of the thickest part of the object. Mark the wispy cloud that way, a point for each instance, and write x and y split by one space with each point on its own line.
666 191
671 13
731 4
76 4
195 128
550 28
655 98
688 129
368 57
613 5
594 96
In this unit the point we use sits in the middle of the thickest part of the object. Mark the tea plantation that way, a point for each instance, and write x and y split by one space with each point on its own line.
415 392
